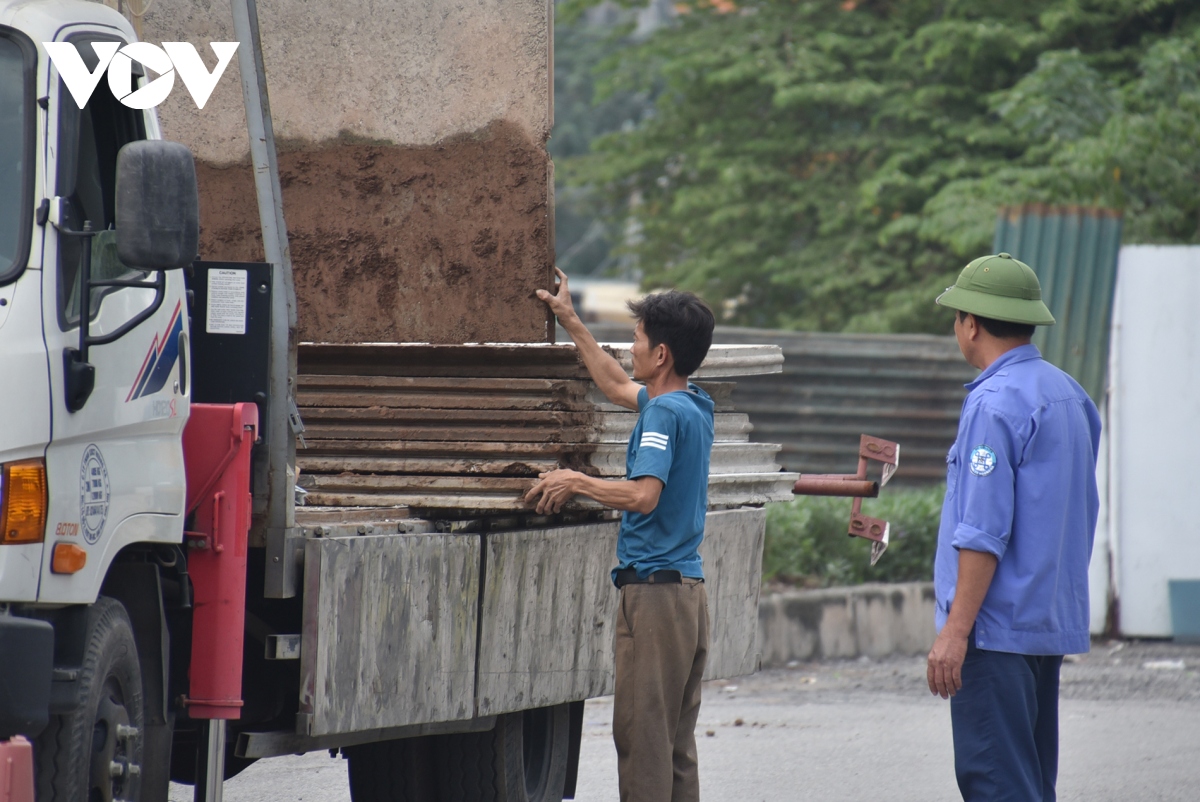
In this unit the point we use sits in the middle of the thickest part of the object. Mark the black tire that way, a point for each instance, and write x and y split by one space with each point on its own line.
391 771
79 752
523 759
545 743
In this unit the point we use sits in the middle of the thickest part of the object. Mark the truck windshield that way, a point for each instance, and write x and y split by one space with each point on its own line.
15 166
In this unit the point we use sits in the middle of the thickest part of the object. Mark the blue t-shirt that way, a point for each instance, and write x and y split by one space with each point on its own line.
672 441
1021 485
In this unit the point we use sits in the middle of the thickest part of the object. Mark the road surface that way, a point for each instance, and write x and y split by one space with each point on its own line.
870 729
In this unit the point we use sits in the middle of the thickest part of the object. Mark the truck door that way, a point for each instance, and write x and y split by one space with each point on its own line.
24 404
115 463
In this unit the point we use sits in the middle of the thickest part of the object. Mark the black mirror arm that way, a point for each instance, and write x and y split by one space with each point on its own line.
79 375
127 282
159 285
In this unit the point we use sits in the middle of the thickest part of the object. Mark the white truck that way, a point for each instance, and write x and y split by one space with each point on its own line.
165 610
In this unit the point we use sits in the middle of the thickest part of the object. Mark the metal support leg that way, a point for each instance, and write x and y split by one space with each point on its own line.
209 785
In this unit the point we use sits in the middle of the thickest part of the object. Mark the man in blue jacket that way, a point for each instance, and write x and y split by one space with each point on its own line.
1011 572
662 623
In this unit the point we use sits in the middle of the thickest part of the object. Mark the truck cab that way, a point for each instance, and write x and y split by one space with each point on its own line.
93 385
112 461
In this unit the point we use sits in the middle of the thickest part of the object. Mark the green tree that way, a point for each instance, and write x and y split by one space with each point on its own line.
817 164
806 541
583 237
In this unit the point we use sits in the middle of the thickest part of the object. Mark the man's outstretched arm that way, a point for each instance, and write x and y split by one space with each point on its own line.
606 372
556 488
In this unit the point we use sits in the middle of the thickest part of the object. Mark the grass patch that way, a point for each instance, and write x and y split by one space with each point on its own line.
807 544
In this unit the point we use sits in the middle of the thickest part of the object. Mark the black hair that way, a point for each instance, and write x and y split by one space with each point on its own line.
1001 329
680 321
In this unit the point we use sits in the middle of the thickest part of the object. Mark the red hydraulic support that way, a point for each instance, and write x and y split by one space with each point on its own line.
16 770
216 454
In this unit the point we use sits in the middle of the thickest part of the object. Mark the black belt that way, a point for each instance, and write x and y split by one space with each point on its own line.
629 576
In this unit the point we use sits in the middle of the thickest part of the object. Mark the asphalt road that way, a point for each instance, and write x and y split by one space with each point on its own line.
859 730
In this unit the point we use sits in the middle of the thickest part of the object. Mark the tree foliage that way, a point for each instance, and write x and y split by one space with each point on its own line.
583 238
806 541
832 164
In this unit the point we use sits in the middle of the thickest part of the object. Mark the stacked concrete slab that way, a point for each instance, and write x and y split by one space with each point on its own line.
416 184
468 427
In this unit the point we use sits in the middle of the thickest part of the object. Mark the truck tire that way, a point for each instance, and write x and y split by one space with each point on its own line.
545 745
391 771
523 759
95 751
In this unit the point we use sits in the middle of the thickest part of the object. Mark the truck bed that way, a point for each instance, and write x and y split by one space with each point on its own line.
433 598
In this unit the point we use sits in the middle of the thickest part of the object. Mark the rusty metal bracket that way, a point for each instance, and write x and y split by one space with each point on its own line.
858 487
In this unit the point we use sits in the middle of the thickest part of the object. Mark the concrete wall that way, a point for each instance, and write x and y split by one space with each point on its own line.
416 183
875 620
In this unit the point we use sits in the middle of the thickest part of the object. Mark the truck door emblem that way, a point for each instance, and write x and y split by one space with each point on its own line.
160 359
94 494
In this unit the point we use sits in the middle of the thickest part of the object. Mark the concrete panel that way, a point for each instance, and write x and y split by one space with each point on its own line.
547 616
416 183
732 554
380 71
552 587
389 631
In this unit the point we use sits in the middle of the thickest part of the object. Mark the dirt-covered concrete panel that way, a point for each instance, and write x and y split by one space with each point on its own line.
439 244
407 73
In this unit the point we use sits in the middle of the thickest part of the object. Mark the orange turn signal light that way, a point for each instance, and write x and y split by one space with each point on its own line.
23 502
68 558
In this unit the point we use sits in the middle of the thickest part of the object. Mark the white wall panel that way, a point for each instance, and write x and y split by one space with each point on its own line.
1154 416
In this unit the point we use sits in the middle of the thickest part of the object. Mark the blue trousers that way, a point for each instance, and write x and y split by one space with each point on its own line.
1005 722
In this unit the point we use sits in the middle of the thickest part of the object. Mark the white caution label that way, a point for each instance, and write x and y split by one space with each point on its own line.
226 302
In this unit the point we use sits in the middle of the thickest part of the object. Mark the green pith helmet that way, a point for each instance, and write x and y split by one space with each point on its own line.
1001 288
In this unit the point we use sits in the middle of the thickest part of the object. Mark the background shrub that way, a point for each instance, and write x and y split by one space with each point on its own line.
807 544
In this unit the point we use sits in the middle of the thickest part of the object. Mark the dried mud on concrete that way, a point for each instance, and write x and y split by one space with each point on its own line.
440 244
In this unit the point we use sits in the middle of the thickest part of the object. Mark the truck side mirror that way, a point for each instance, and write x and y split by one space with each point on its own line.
157 205
158 228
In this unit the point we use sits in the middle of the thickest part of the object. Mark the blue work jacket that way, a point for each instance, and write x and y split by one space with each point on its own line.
1021 484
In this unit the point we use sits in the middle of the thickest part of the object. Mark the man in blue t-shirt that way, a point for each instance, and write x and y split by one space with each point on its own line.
662 623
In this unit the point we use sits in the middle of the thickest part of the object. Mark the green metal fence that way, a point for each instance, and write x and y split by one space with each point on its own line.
1073 250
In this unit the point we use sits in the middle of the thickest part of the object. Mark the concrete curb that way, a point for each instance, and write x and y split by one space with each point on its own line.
873 620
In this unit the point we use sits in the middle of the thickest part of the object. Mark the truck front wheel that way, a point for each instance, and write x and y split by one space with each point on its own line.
94 753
